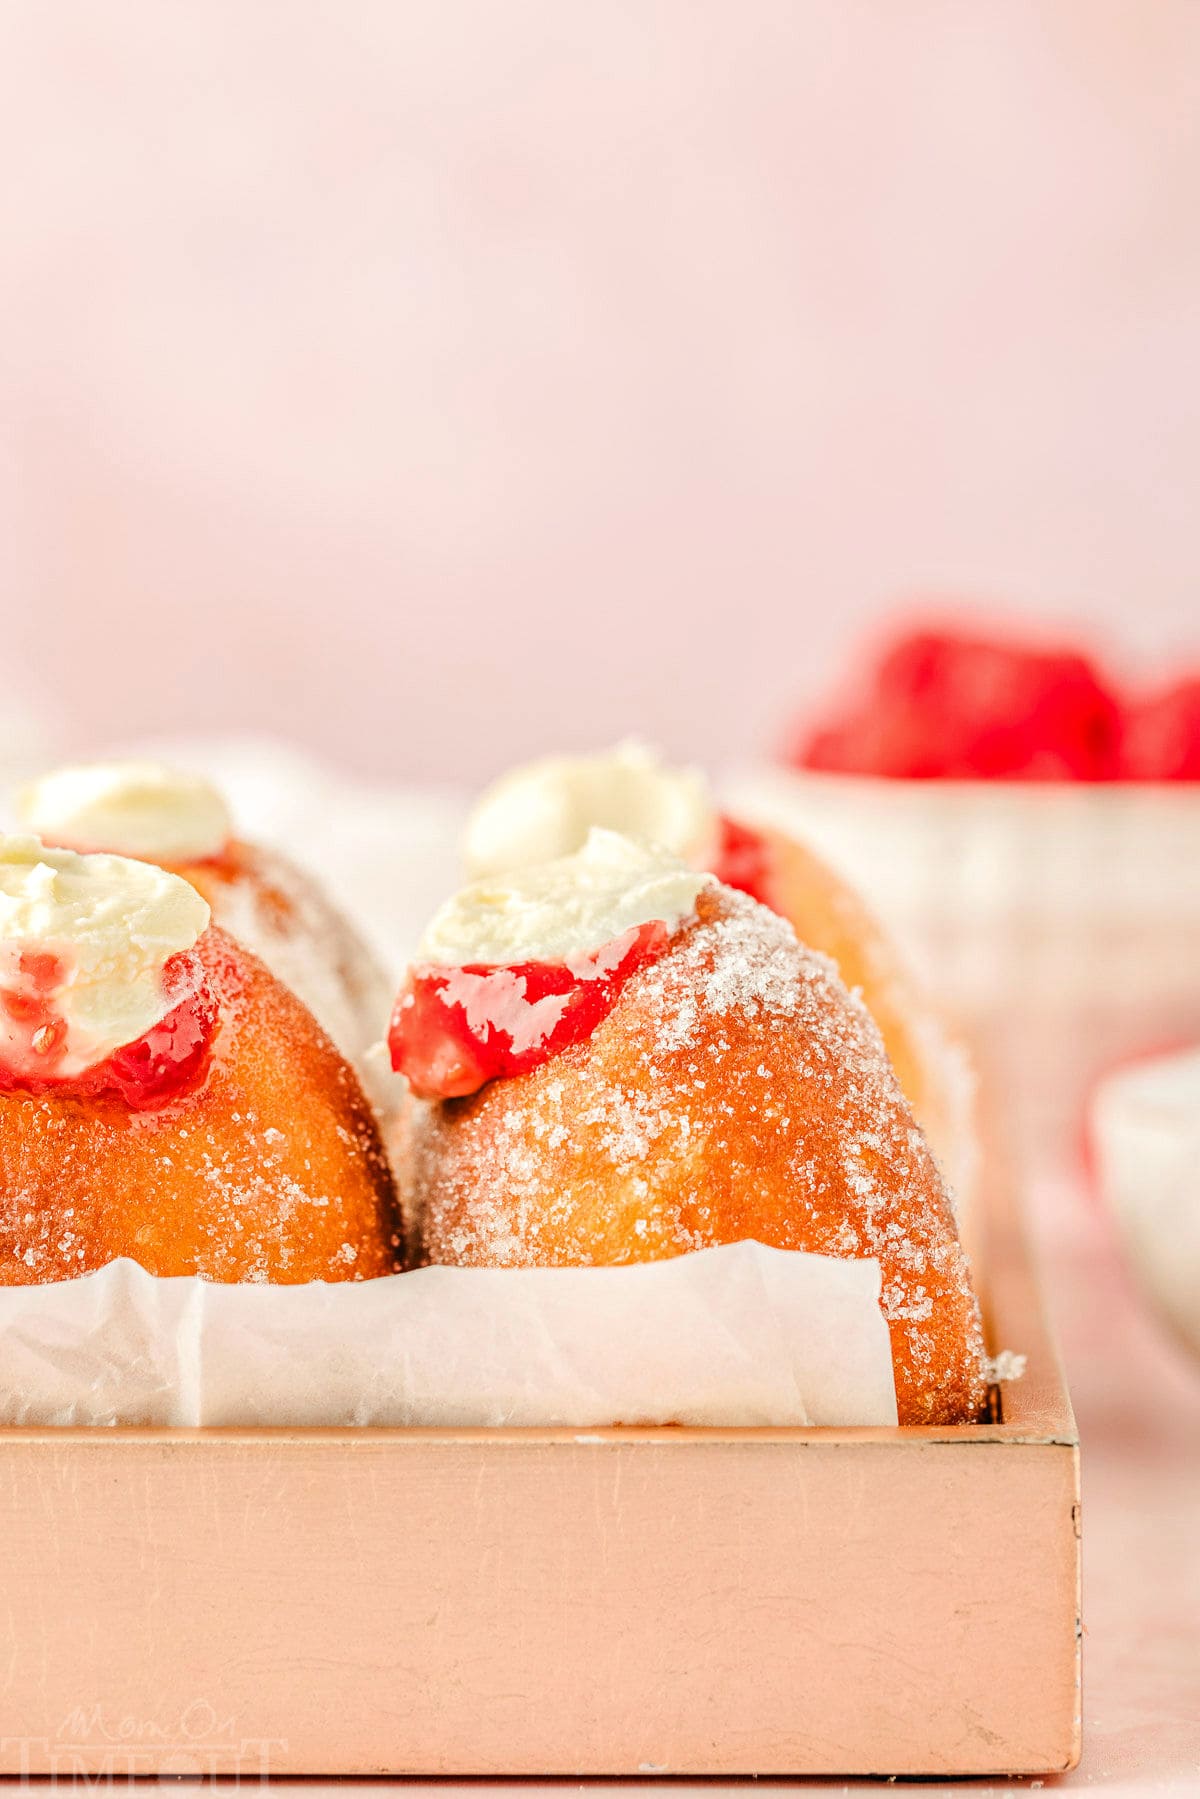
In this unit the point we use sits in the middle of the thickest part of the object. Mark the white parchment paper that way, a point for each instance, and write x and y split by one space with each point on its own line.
740 1335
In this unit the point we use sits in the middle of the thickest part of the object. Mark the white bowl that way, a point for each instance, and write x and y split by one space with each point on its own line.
1146 1138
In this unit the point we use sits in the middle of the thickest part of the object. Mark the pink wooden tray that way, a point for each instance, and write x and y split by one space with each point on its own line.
553 1602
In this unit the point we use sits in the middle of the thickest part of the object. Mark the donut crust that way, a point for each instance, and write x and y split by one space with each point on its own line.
932 1067
285 917
271 1169
736 1090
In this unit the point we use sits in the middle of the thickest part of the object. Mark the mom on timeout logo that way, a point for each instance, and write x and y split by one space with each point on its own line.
98 1746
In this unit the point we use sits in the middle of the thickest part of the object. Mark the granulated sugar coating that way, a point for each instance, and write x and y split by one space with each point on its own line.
270 1170
736 1090
284 916
932 1068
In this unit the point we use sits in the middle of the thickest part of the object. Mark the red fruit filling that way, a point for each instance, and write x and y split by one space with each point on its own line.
955 707
742 859
454 1029
170 1058
1162 735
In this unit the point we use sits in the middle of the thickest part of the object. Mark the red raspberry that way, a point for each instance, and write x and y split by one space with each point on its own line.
959 707
1162 735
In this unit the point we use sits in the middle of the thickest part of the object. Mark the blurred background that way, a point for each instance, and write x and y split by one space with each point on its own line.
433 383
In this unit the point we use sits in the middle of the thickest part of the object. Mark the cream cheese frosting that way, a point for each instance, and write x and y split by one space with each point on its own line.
142 809
565 909
545 809
87 937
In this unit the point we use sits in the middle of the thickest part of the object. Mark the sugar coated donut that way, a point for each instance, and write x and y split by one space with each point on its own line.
546 808
712 1082
163 1096
278 910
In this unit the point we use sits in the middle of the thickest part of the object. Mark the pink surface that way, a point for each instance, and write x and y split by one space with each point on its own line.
1137 1400
431 383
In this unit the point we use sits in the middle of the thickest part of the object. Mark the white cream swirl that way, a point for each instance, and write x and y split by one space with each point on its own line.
546 809
563 910
141 809
85 939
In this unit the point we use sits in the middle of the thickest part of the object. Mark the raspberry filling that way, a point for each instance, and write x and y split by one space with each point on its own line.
454 1029
742 859
163 1063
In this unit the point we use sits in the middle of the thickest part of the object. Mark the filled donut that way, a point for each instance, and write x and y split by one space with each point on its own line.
164 1097
619 1059
546 809
278 910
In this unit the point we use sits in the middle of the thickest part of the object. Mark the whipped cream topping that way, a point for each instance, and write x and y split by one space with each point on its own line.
86 938
545 809
564 910
138 809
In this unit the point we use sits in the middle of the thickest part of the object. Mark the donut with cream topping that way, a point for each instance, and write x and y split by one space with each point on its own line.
163 1096
729 1088
546 808
179 820
510 972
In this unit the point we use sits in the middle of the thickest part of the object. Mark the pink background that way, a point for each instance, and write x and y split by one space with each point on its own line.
436 382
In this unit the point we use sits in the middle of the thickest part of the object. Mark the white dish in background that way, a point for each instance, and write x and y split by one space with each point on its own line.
1146 1137
1059 922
